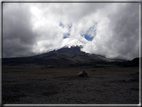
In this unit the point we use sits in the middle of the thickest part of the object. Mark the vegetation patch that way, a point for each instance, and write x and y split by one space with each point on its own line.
16 71
73 77
50 66
100 77
135 89
12 99
50 93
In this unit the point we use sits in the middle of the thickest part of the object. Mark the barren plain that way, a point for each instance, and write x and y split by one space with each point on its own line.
105 85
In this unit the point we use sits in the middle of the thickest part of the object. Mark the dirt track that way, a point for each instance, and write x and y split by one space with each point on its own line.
62 86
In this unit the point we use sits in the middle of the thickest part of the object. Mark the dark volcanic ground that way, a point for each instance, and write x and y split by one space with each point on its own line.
105 85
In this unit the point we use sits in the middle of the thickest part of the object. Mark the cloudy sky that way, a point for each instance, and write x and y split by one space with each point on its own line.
110 29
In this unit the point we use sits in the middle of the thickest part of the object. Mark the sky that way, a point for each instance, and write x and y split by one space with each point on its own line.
109 29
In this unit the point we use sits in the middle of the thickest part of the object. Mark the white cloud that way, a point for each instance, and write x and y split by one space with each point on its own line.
115 33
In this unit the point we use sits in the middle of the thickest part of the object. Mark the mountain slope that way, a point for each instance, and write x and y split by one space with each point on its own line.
132 63
63 56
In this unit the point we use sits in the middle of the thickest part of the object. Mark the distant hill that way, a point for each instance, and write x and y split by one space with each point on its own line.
62 57
132 63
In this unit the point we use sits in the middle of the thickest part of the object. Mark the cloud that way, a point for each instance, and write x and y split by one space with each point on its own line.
18 38
118 34
110 29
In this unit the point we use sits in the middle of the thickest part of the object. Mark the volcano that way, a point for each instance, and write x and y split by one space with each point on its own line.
65 56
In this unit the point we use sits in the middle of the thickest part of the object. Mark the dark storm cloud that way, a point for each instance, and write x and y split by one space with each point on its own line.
18 37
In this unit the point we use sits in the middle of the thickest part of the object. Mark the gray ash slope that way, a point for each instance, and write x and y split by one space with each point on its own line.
64 56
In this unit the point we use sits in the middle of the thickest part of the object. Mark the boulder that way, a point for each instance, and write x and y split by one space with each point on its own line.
82 74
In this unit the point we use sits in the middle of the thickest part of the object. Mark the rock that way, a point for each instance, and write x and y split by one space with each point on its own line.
82 74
